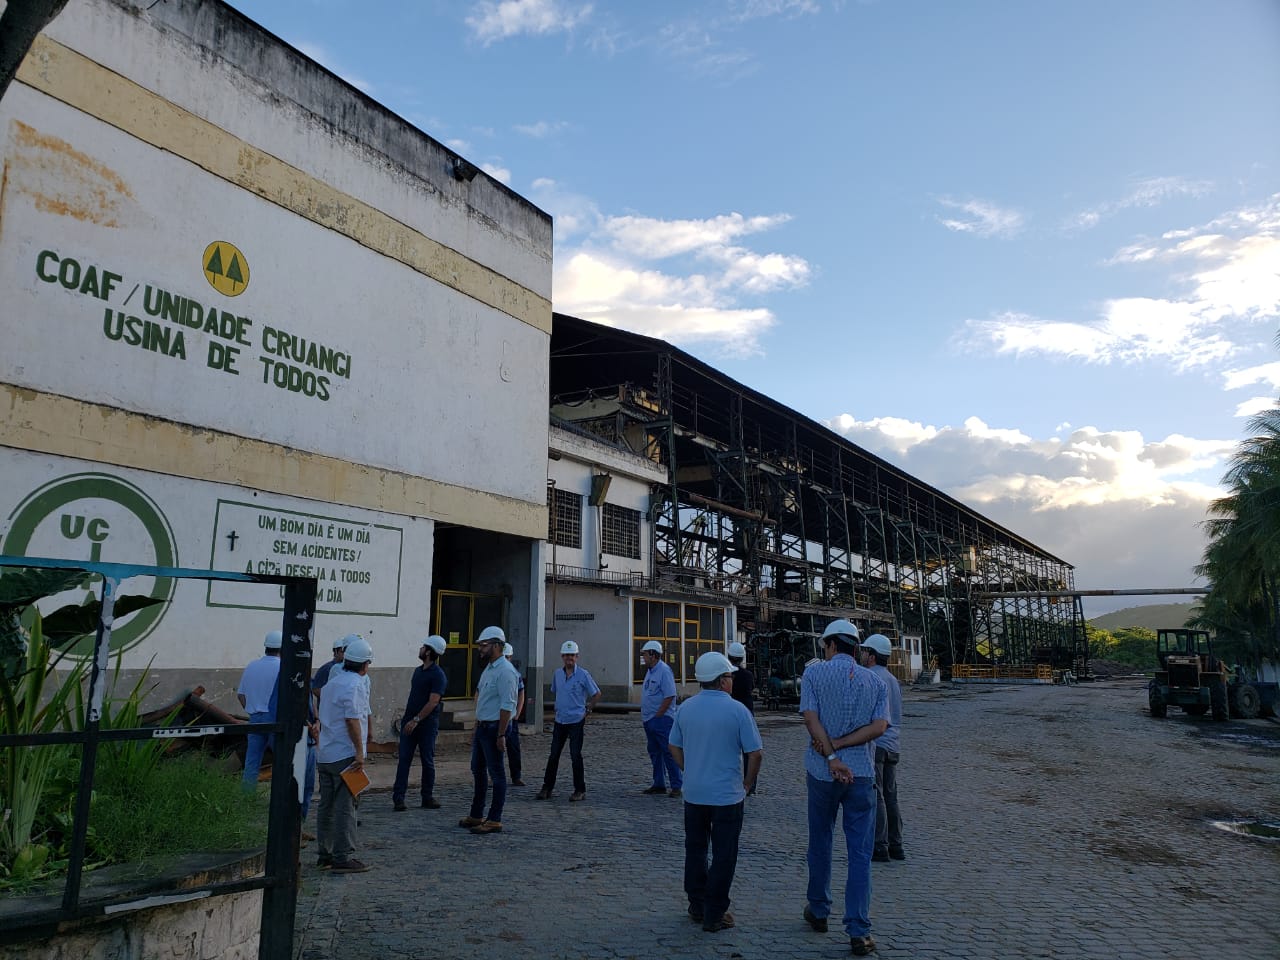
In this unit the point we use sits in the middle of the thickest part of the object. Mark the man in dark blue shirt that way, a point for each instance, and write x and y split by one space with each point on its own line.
421 723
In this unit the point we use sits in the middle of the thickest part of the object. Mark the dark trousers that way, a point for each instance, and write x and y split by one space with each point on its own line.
888 816
421 741
717 829
559 734
486 765
513 748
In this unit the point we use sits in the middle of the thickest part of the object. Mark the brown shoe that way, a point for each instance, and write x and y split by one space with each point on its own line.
861 946
677 792
469 822
578 795
487 826
349 866
723 923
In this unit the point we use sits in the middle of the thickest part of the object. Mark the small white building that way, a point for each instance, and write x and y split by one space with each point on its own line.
600 568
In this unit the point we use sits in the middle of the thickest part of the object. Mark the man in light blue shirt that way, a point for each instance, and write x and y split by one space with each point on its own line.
710 734
576 694
495 706
845 707
344 734
876 651
657 712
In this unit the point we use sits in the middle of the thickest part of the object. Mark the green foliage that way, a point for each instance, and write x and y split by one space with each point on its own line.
20 588
27 708
185 805
1242 559
1134 646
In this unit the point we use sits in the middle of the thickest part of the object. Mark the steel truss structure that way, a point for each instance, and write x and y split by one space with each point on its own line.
792 523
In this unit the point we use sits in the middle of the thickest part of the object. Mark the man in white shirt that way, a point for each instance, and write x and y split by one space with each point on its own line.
254 692
344 731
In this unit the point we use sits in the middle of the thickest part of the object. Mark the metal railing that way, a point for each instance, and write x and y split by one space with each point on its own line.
279 883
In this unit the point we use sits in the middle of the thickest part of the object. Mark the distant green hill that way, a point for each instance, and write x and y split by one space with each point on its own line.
1153 616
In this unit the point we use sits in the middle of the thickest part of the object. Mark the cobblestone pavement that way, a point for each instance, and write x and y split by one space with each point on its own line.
1040 822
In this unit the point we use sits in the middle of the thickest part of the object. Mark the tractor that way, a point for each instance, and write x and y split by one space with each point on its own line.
1189 675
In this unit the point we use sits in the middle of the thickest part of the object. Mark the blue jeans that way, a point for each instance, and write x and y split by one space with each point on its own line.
422 740
559 734
718 829
255 746
857 802
486 765
657 730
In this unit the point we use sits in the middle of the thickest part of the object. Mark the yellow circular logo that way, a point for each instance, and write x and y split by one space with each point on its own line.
225 268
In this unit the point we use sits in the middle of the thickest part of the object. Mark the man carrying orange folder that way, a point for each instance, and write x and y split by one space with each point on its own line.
344 731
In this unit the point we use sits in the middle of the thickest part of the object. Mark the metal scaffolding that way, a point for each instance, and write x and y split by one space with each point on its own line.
774 512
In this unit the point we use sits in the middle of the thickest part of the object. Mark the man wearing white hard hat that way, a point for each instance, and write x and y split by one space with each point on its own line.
321 676
576 694
876 651
344 733
657 713
495 706
420 724
711 733
845 707
257 683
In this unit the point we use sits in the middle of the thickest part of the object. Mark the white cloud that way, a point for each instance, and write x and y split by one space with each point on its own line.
1233 280
495 20
1144 193
1262 373
1254 406
501 174
687 281
981 218
754 9
542 129
1125 511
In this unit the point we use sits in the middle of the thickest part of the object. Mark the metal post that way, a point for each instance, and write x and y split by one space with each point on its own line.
284 817
89 756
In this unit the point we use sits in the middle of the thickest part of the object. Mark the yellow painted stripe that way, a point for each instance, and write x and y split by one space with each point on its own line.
79 82
47 423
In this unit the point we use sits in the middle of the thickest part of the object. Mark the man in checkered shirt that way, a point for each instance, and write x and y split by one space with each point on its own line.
845 708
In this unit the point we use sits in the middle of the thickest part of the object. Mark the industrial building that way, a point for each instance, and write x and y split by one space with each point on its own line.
765 525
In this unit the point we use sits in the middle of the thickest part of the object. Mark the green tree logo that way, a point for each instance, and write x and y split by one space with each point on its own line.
232 279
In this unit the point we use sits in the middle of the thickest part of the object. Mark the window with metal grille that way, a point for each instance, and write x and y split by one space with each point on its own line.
621 531
564 518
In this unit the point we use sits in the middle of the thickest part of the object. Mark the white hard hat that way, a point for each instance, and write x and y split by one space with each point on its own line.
712 665
879 643
841 628
652 645
508 650
568 646
737 650
436 643
492 633
274 641
346 641
358 650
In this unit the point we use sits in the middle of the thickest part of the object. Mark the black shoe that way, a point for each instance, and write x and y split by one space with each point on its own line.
431 803
543 794
819 924
677 792
654 791
714 926
880 856
897 853
398 806
861 946
695 913
324 863
517 782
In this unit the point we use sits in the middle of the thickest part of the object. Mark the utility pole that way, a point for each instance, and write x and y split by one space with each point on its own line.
20 24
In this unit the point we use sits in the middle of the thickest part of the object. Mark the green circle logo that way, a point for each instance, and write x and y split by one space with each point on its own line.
97 517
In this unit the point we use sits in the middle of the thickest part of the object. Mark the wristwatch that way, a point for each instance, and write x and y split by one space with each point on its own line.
830 757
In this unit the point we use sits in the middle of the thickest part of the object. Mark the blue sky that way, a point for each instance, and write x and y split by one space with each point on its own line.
1029 252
